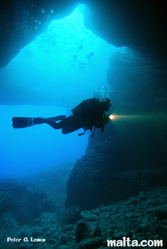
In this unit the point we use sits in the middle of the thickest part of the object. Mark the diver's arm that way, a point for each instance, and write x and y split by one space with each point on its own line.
102 129
93 131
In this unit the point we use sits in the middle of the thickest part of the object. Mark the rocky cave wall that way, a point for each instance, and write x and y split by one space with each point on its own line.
22 21
140 24
130 156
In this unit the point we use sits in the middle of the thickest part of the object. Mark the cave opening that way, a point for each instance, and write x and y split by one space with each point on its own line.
49 77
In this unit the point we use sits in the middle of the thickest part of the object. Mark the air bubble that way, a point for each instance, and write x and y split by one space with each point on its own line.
51 11
42 10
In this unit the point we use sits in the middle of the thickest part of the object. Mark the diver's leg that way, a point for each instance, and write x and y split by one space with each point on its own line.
53 124
71 124
57 118
80 134
49 122
37 120
42 120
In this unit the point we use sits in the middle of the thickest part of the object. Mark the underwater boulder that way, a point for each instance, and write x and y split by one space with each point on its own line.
71 215
82 230
93 183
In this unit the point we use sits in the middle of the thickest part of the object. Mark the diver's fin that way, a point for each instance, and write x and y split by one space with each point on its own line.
22 122
19 122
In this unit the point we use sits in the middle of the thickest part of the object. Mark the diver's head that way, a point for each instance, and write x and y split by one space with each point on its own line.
106 104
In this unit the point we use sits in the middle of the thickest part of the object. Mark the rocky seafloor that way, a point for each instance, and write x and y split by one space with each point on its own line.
139 217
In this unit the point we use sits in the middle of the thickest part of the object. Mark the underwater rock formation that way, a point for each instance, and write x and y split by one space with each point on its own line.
139 104
53 180
139 94
25 201
22 21
136 139
141 25
138 217
71 215
94 180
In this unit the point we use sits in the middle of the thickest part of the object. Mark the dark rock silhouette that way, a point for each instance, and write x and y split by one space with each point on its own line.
135 140
141 25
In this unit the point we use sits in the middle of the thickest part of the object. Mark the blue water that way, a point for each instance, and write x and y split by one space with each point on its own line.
49 77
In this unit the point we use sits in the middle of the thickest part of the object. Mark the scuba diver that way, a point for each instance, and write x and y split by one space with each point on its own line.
89 115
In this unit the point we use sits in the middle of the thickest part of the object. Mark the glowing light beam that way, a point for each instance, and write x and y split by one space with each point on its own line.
136 117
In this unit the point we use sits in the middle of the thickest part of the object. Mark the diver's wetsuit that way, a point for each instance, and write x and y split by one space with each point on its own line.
88 114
